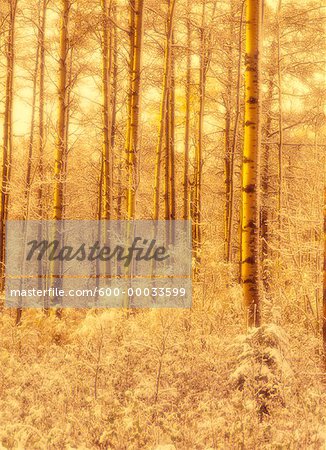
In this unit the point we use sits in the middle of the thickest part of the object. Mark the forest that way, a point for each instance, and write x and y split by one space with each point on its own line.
207 112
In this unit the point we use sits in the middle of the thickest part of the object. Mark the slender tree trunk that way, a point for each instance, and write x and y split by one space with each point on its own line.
61 132
186 202
41 135
228 100
27 193
280 103
199 147
114 94
250 166
41 110
264 231
32 129
124 189
169 185
324 279
234 143
62 105
132 148
67 124
106 105
171 107
163 111
7 138
167 192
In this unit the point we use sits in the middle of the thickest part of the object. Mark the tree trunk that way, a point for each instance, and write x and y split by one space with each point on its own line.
41 111
169 185
61 134
280 121
234 145
106 105
31 144
171 115
7 139
250 166
40 169
324 280
264 222
163 110
186 202
114 94
199 147
228 100
137 7
62 99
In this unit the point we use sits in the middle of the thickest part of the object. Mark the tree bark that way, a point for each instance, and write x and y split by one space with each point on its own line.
234 144
324 280
132 149
250 168
60 147
163 110
186 200
7 138
199 147
106 115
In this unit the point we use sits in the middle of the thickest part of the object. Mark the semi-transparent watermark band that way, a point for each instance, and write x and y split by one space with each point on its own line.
84 264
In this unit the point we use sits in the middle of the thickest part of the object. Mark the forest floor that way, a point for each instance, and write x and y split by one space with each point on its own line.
161 379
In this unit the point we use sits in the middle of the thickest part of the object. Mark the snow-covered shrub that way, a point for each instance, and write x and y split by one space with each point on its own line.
262 367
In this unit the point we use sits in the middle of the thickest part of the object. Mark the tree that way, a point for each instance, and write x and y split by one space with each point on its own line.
60 147
186 199
205 53
136 35
41 135
324 278
169 185
231 138
7 142
280 115
106 99
62 105
250 168
163 109
28 180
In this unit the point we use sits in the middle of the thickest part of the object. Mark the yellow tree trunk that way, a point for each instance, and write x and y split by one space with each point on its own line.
124 183
40 166
171 109
62 88
324 278
206 46
61 131
163 110
265 163
41 110
280 117
169 185
233 147
197 238
228 104
28 180
7 138
114 93
137 7
106 103
250 173
32 128
186 201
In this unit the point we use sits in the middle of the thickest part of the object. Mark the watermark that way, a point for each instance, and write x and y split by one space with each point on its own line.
88 264
140 249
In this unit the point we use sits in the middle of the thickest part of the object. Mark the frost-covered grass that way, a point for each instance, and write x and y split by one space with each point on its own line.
160 379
